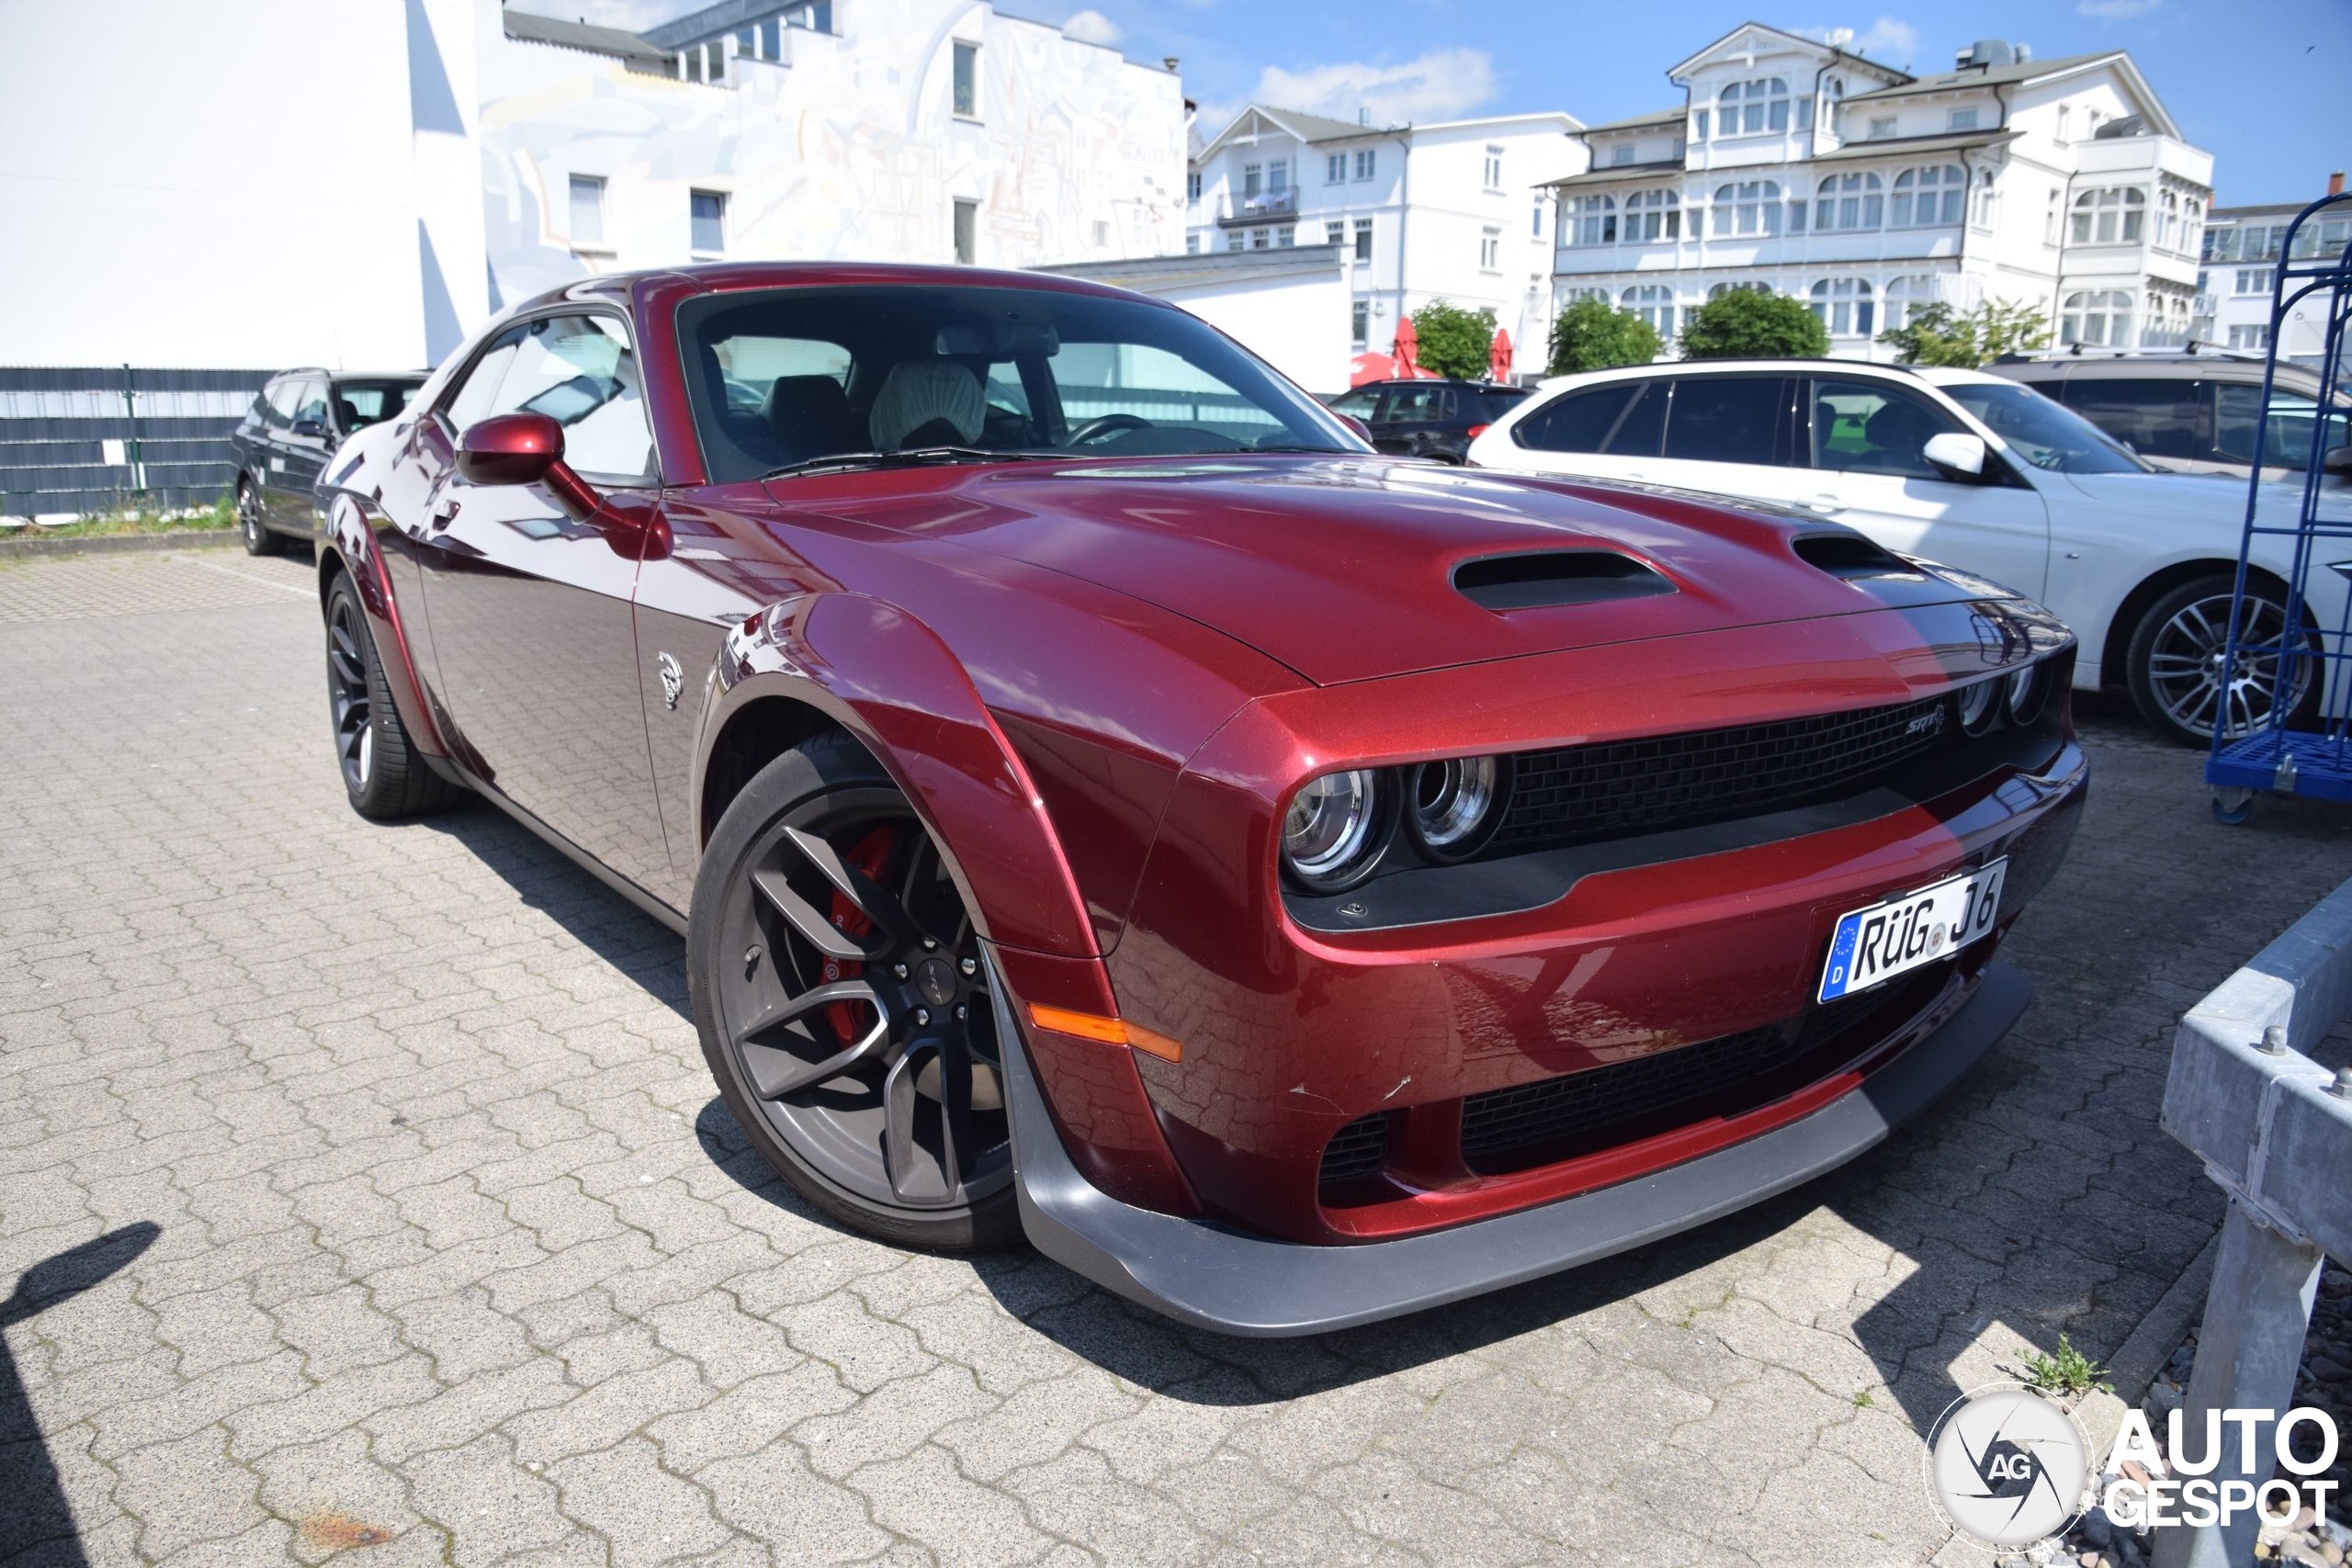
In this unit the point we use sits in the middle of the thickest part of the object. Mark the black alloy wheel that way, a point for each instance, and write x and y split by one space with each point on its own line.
2179 654
845 1007
383 773
259 540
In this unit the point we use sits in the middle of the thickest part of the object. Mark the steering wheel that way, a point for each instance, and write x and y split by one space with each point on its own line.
1109 423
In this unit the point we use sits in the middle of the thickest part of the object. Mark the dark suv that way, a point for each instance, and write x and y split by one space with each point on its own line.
2192 412
282 445
1427 419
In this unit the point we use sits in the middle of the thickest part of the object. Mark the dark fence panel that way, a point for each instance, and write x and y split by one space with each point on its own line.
55 421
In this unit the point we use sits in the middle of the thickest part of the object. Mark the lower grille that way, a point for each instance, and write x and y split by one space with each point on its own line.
1625 786
1356 1150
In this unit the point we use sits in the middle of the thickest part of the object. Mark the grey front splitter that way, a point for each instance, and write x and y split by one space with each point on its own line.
1214 1276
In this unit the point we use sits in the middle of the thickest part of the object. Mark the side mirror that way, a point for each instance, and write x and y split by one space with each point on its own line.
310 425
1359 426
1956 455
525 449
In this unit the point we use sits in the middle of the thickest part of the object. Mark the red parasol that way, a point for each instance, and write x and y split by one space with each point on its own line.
1367 367
1408 345
1499 358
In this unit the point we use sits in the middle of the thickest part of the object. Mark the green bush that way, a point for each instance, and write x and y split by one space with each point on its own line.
1453 341
1591 336
1745 324
1938 335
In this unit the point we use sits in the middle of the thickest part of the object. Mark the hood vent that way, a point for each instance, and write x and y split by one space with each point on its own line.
1852 556
1547 579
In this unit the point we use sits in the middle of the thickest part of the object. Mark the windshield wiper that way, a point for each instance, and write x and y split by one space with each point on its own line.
912 458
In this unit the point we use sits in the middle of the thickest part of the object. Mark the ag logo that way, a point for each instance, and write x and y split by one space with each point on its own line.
2008 1468
674 681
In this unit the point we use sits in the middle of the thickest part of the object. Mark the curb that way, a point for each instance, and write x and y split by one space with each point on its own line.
37 548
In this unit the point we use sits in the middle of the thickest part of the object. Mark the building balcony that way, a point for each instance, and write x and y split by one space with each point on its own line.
1270 207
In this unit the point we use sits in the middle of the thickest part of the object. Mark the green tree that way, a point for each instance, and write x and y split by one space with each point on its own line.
1938 335
1590 335
1747 323
1453 341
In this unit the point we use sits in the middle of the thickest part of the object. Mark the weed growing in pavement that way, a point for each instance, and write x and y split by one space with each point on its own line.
2069 1372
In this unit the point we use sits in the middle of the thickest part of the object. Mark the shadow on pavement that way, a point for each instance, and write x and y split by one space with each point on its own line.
33 1509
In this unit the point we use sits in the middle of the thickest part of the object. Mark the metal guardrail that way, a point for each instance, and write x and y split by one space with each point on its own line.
2273 1129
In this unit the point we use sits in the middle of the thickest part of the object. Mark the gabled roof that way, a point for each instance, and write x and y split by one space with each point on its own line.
614 42
1781 36
1619 174
1308 128
2159 120
1635 122
1903 146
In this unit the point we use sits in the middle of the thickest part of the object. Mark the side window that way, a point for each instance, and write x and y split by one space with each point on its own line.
2237 407
470 403
1868 428
2157 417
1578 422
1362 402
1730 419
311 402
281 402
1448 405
581 372
1641 432
1411 405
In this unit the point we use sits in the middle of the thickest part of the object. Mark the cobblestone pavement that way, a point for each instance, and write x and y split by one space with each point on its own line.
364 1197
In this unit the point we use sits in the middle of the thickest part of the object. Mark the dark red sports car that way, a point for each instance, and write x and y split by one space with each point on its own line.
1105 801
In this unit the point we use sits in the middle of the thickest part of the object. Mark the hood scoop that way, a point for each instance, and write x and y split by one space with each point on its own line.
1542 580
1852 556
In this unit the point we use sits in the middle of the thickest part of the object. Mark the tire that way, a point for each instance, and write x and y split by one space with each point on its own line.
882 1105
259 540
384 774
2175 655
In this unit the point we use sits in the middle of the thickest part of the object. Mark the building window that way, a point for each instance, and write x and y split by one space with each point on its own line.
2114 216
1905 295
1102 231
1750 109
2064 115
2168 220
1490 250
967 232
1621 154
1261 239
1360 323
1364 240
1751 206
1335 232
1235 241
1849 201
1881 130
1653 302
1961 119
1749 287
708 209
1287 237
1538 230
1335 168
1253 180
1988 197
1930 196
1805 114
1365 161
587 209
1589 221
2099 318
2250 337
1193 186
1278 176
2050 218
1699 126
1653 215
772 38
2253 280
2167 325
967 81
1844 306
717 52
1192 244
1494 168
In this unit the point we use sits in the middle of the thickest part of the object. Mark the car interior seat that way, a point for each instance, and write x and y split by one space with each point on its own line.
927 402
1897 433
810 417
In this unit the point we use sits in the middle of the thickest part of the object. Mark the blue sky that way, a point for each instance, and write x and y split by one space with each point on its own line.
2263 84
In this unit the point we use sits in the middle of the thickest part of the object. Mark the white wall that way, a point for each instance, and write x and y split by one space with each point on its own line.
1297 323
207 186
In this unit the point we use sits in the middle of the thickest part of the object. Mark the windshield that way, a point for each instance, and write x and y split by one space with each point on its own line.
2043 433
787 376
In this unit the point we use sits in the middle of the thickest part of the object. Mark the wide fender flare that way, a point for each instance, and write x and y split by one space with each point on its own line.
351 527
889 678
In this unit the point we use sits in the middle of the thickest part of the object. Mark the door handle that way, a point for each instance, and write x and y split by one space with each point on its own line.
444 517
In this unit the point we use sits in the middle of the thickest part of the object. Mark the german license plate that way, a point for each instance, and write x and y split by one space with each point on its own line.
1911 929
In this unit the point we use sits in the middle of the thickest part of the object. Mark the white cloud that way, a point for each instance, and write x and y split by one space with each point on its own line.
1436 85
1891 41
2115 10
1093 26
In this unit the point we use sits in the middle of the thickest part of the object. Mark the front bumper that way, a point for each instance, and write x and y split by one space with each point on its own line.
1213 1276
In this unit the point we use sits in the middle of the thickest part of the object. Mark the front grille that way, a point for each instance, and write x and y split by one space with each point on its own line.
1532 1123
1356 1150
1622 786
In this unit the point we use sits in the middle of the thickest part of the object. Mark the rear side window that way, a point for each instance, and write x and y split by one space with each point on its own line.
2159 417
1730 419
1499 403
2288 443
1363 403
311 402
361 403
282 399
1581 421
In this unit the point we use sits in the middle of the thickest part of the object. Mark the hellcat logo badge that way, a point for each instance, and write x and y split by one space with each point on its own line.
674 681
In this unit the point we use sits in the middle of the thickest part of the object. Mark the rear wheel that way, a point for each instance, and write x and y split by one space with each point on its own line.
383 773
259 540
2178 652
845 1006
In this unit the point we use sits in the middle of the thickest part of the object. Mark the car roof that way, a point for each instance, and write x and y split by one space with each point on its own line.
2246 368
1704 367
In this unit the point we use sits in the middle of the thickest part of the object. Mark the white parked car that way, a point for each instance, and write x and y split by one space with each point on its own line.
1972 470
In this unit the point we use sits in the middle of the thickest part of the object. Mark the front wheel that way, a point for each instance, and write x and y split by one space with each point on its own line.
2180 673
259 540
383 773
845 1007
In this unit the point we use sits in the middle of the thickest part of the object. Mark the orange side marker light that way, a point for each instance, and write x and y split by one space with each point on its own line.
1109 1031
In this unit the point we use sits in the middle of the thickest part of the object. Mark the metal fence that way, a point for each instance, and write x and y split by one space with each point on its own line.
83 439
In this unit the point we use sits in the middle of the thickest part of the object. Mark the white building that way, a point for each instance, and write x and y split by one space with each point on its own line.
2240 263
1288 306
1455 210
1865 191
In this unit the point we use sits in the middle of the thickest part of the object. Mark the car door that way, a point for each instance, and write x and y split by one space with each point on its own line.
1406 415
1867 471
272 442
532 634
1735 436
299 456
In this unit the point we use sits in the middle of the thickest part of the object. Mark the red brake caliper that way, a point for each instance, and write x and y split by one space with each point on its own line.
866 857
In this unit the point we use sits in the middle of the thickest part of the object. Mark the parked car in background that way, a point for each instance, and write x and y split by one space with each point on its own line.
1968 468
1105 801
1437 420
281 446
2190 412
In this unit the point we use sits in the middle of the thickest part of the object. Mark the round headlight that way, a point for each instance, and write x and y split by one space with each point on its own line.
1329 826
1454 802
1977 706
2025 693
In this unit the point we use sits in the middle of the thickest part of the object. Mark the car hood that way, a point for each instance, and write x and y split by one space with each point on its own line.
1342 568
2218 498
